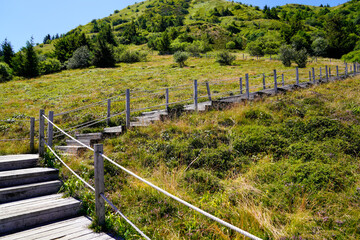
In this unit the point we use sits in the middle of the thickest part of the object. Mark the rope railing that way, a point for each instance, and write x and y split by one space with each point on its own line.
245 233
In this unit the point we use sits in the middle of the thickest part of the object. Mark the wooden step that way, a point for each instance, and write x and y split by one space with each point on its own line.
12 162
114 130
34 211
26 176
71 150
202 106
73 228
16 193
89 136
75 143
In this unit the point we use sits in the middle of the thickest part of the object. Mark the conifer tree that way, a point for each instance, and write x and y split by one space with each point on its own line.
7 52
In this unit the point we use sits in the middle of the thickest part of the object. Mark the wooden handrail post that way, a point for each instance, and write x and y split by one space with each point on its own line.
41 132
313 75
195 95
32 134
309 76
247 86
275 82
167 99
320 75
241 85
327 73
337 72
264 81
297 76
108 112
346 70
208 91
50 133
127 107
283 80
99 184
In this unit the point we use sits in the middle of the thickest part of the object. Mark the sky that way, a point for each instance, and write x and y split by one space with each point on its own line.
22 19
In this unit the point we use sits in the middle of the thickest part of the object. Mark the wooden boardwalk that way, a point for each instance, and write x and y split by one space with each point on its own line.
32 208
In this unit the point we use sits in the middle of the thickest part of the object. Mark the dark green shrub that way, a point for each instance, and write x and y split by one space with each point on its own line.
300 58
256 48
230 45
225 58
286 55
5 72
128 56
80 59
104 55
202 181
180 58
50 65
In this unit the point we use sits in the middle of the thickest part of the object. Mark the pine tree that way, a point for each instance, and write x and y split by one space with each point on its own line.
31 65
104 55
7 52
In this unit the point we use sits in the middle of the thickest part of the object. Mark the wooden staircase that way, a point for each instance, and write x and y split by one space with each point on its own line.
29 202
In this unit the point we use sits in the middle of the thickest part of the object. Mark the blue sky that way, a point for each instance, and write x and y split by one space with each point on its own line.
22 19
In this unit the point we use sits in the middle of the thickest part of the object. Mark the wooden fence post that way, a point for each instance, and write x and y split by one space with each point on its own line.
275 82
241 86
320 74
50 132
327 73
208 91
99 183
41 133
167 99
283 80
108 112
127 108
346 70
354 69
297 76
264 83
337 72
247 86
32 134
195 96
309 76
313 75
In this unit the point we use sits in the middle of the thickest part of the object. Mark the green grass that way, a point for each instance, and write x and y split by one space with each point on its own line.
285 167
70 89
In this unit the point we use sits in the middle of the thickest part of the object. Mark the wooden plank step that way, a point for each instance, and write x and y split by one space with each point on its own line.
71 142
201 106
66 229
114 130
27 175
89 136
71 150
30 212
12 162
16 193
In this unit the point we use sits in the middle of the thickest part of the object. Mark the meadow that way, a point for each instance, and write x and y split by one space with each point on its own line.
284 167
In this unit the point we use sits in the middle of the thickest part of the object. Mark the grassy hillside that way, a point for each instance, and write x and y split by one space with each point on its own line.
282 168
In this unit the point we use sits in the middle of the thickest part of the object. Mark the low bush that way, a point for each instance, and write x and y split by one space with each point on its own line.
300 58
5 72
128 56
50 65
225 58
286 55
202 181
80 59
180 58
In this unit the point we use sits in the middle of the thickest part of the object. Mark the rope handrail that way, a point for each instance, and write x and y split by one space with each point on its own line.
72 171
123 216
249 235
161 190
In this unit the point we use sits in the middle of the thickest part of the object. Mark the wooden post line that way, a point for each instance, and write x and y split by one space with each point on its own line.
241 85
313 75
275 82
108 113
195 96
41 133
32 134
327 73
127 108
167 99
337 72
283 80
99 183
208 91
247 86
297 76
264 83
50 133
